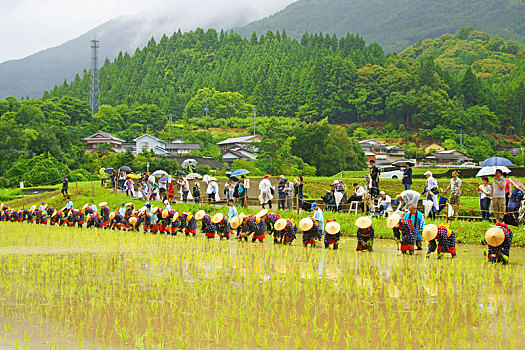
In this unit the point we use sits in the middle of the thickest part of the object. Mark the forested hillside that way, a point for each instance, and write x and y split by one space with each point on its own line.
396 24
341 79
312 99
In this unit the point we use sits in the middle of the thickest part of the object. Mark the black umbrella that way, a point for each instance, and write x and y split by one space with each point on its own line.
125 168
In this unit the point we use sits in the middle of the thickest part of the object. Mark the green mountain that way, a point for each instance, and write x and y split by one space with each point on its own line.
396 24
322 76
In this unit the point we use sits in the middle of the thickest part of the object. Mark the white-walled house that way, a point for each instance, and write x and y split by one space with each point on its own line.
149 143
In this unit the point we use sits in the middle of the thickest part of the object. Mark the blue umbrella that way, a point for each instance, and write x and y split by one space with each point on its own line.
496 161
108 170
240 172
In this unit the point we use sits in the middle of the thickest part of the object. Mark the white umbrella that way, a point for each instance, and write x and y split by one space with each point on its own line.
338 196
186 164
160 173
193 176
491 170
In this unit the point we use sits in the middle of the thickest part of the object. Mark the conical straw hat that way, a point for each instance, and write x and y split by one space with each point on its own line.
363 222
236 222
217 218
306 224
165 214
133 220
393 220
280 224
111 215
494 236
102 204
261 213
200 214
32 208
175 216
333 227
430 232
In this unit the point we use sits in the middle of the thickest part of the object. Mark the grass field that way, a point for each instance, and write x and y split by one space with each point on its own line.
70 288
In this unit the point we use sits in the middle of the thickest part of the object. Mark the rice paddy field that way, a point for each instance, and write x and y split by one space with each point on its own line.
71 288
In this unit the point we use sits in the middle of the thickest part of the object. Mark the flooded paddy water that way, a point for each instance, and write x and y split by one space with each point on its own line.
72 288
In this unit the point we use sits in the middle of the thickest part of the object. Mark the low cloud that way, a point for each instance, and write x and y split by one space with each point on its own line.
28 26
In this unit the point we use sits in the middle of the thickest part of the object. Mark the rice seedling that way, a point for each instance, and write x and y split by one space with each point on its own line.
96 288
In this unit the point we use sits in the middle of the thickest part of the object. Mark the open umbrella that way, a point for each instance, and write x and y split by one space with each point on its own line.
133 176
193 176
403 162
240 172
125 168
160 173
518 184
108 170
491 170
496 161
186 164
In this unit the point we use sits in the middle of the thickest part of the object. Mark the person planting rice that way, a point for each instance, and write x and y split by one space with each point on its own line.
404 233
188 224
365 234
165 221
75 217
92 220
128 215
41 215
418 221
116 220
332 234
285 231
310 231
175 222
270 220
104 214
222 226
259 234
441 238
208 228
236 224
499 240
154 220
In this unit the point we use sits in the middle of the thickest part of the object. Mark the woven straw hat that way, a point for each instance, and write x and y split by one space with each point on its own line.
44 207
363 222
200 214
393 220
280 224
32 208
333 227
175 216
85 206
217 218
430 232
165 214
132 220
54 214
154 210
111 215
88 217
306 224
102 204
129 204
236 222
261 213
494 236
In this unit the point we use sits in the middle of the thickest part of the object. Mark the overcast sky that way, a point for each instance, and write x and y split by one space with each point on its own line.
28 26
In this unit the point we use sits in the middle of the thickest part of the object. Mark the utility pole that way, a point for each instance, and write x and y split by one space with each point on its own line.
95 92
206 107
169 127
461 142
254 110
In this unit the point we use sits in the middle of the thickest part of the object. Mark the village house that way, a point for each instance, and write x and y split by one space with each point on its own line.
242 142
448 157
101 137
381 152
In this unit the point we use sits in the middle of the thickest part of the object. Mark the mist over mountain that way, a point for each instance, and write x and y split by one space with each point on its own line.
32 75
396 24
